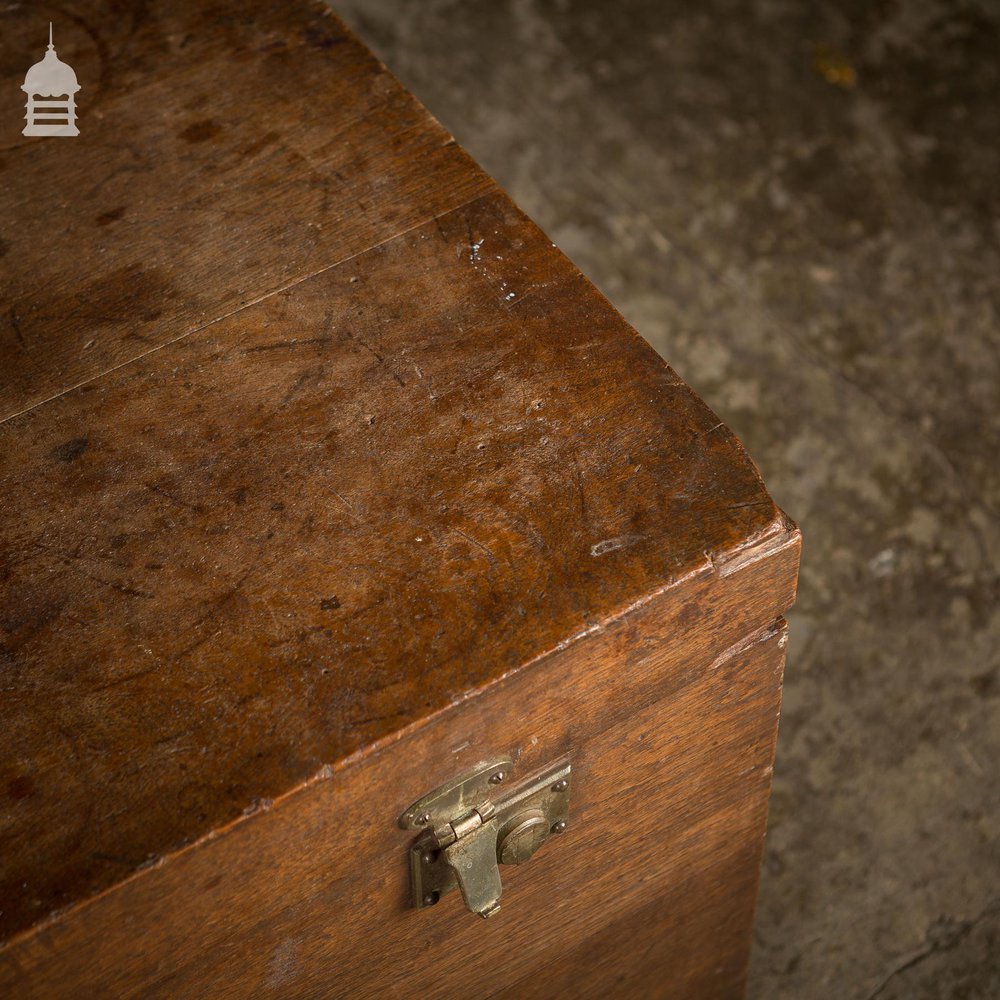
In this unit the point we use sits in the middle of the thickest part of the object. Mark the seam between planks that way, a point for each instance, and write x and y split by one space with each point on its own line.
490 191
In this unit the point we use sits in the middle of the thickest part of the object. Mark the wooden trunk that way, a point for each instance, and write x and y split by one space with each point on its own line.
326 477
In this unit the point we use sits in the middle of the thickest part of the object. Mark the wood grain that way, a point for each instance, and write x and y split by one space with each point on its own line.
318 458
226 152
668 716
227 567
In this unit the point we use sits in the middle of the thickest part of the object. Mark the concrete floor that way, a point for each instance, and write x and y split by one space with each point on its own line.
798 205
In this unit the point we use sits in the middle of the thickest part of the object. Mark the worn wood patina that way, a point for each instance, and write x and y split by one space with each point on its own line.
324 475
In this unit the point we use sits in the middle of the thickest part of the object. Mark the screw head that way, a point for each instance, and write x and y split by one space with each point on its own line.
559 827
427 857
498 777
423 819
561 785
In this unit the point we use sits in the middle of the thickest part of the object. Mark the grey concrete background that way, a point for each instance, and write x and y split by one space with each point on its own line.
798 205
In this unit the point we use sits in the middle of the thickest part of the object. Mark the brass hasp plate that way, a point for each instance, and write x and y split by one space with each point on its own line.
477 822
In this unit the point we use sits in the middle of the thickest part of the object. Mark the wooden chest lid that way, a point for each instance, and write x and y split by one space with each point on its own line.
307 434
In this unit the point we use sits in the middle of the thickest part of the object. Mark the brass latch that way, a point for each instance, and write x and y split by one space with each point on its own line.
471 827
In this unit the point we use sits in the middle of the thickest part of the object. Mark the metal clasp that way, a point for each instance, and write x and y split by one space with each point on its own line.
471 827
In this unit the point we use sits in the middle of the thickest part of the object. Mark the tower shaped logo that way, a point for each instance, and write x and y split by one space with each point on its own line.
51 86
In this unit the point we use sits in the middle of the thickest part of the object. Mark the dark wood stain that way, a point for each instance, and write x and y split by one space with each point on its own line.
70 451
330 478
112 215
20 787
201 131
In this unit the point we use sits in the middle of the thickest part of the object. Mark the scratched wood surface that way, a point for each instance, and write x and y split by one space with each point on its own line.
308 436
668 716
226 152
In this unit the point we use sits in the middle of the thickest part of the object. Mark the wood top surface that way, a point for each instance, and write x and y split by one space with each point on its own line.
307 433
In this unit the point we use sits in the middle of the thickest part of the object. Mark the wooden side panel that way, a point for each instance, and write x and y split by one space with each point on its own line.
676 845
669 717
